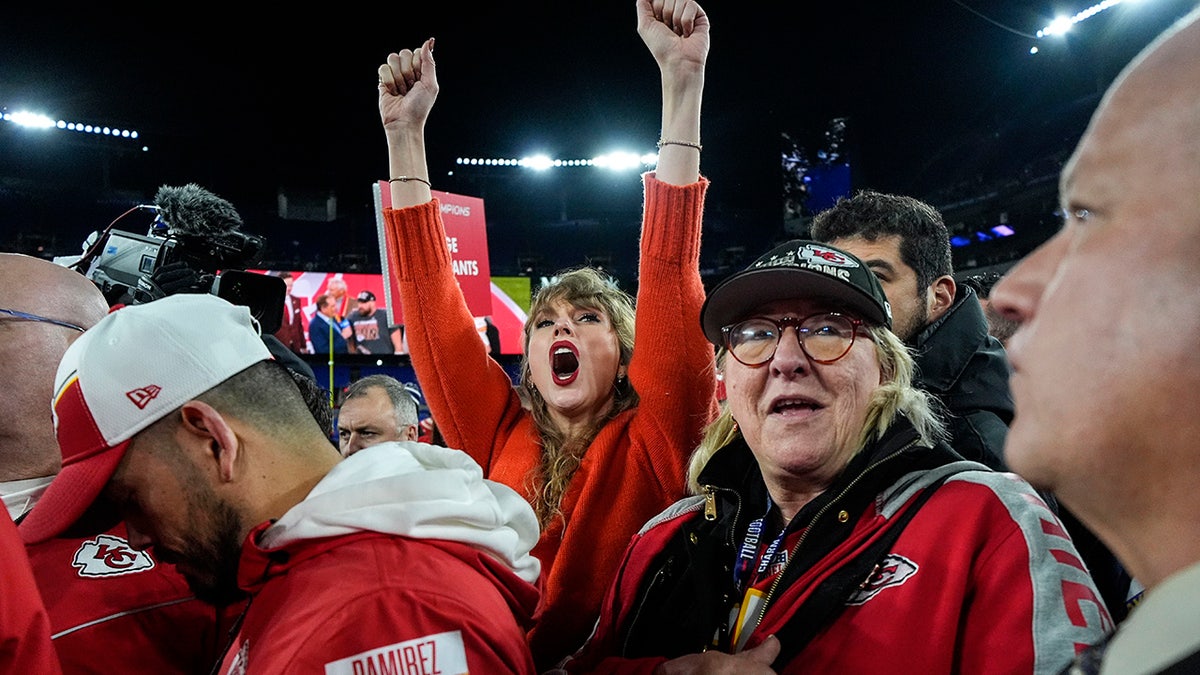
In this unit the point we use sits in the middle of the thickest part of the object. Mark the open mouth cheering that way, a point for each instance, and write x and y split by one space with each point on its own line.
564 362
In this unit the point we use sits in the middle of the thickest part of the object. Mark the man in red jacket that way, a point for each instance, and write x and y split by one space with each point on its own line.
112 609
401 558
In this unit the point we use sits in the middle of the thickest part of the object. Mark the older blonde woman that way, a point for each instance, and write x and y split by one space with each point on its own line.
833 529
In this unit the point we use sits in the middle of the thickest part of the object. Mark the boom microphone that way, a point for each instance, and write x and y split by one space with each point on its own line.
192 210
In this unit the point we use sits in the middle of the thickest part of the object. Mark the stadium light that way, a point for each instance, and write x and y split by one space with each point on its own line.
613 161
537 162
31 120
1062 24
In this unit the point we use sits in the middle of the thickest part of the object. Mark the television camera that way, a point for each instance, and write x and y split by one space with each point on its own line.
193 245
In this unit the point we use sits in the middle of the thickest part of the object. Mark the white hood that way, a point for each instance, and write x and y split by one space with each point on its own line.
416 490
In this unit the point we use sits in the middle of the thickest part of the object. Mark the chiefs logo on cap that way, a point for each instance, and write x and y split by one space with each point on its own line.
823 255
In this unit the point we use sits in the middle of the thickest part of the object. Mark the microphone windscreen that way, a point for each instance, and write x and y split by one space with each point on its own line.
192 210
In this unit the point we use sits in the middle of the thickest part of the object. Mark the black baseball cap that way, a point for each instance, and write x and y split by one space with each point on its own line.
798 269
366 296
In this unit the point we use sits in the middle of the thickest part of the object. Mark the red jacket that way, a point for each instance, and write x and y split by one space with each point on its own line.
24 627
636 465
114 609
332 594
983 579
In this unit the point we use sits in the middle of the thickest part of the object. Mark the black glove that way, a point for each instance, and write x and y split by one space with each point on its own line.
170 279
177 277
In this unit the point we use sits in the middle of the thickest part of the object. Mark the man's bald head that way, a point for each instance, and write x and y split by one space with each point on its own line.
45 288
29 356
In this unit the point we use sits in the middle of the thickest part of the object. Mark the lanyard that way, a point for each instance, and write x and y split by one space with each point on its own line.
743 613
749 552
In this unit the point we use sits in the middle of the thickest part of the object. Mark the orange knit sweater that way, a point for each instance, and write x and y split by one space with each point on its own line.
636 466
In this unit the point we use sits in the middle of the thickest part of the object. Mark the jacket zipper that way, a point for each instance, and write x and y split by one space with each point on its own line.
710 506
762 611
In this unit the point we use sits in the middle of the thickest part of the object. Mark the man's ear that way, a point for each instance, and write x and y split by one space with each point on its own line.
941 296
212 431
411 433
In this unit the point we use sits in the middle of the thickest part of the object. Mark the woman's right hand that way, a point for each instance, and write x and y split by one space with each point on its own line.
408 88
676 34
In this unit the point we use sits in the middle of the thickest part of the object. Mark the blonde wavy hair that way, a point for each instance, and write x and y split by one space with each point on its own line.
561 454
896 395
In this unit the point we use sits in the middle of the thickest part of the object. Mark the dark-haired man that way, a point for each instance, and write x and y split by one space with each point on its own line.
906 244
291 331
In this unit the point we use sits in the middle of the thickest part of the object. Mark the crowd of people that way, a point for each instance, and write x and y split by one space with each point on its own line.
834 460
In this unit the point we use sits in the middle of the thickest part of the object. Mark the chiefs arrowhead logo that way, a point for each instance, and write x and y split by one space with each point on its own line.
142 396
108 556
894 570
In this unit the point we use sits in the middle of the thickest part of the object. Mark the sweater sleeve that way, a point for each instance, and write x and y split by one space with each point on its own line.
470 396
673 363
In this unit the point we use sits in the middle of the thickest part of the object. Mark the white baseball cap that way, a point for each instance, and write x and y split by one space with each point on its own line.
133 368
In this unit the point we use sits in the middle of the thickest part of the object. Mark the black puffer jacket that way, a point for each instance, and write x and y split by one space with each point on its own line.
967 371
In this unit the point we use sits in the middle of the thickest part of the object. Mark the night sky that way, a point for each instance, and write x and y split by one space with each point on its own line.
249 104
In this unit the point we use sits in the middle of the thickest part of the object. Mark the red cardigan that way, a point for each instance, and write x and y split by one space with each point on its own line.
636 466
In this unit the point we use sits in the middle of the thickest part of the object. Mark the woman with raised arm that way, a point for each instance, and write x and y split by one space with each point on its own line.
602 441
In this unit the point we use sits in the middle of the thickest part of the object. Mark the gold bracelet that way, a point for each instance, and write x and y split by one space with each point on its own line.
689 144
405 179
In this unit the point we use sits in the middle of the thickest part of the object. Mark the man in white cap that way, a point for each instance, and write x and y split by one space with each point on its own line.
174 414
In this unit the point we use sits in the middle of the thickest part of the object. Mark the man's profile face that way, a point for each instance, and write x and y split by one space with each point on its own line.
170 508
337 287
370 419
910 305
1105 360
327 307
366 307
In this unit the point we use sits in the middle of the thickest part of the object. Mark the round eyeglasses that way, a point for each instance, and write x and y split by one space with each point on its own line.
825 337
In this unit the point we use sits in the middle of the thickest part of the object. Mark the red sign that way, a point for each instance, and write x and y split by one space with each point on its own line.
466 238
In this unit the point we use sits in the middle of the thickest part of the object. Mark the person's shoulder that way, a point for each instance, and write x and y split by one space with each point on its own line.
676 513
1001 497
